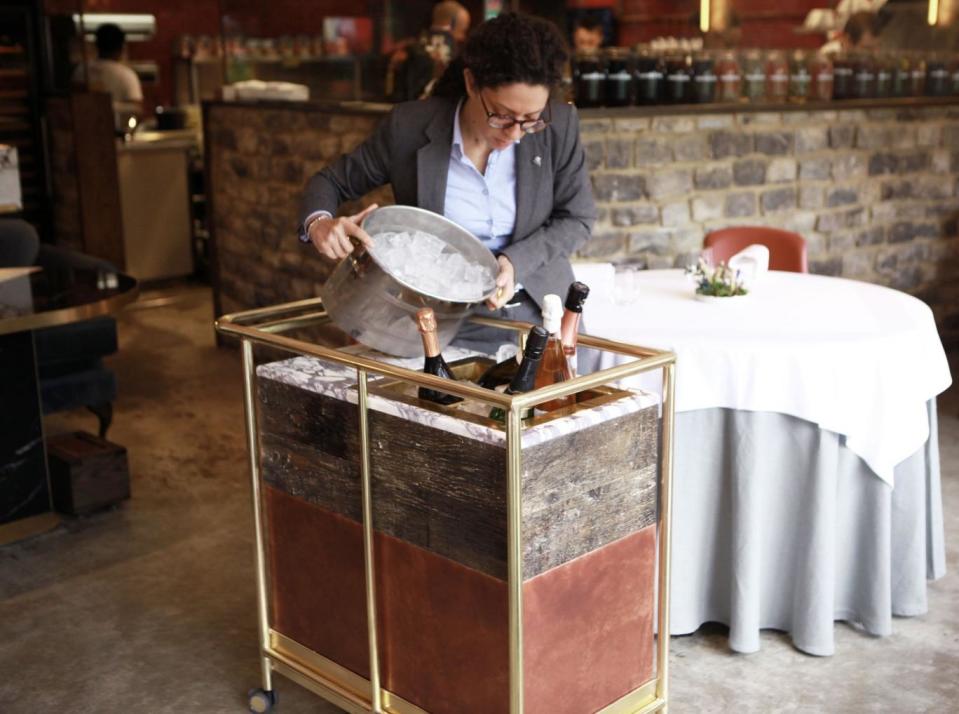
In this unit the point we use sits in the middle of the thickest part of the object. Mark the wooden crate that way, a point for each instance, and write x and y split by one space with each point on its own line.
86 473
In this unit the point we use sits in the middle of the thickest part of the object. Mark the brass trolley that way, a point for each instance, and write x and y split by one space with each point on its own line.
366 691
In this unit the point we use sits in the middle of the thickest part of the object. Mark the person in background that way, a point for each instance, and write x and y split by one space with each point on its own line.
415 66
490 151
108 74
861 32
587 34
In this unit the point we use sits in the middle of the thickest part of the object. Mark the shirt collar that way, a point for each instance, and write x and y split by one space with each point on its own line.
457 147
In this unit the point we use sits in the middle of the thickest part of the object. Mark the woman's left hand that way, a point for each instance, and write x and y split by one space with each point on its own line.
505 284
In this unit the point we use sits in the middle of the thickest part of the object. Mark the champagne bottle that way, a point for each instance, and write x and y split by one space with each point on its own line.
525 377
555 365
433 362
500 373
569 328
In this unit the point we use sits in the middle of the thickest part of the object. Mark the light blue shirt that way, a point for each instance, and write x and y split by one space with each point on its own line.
482 203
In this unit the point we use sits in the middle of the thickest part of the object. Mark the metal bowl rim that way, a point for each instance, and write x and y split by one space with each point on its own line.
442 219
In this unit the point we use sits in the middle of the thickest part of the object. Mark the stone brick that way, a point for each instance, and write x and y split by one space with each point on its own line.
730 143
826 266
631 124
288 170
670 182
778 199
841 242
592 126
713 177
676 214
876 137
618 187
871 236
749 172
930 188
674 124
883 163
906 231
761 118
950 136
832 222
813 138
929 135
739 205
619 153
776 143
781 170
841 137
815 169
707 208
800 221
941 161
858 264
656 241
896 190
603 245
653 151
595 153
841 197
715 121
691 148
635 214
811 197
848 167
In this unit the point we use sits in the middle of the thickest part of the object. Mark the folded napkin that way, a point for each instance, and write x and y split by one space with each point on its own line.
752 262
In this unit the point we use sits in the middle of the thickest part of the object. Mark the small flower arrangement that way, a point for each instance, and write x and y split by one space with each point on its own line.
716 281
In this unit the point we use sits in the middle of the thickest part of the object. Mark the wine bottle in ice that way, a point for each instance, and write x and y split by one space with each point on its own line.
555 367
433 361
525 377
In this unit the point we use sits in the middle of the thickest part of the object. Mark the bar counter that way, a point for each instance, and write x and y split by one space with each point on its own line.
870 184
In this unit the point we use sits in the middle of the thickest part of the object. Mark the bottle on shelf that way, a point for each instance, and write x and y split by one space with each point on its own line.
433 362
556 367
569 326
525 378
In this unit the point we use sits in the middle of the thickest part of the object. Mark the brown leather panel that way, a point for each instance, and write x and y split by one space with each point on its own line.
446 627
443 626
588 628
316 578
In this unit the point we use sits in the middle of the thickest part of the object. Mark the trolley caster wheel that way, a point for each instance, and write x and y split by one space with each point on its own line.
261 701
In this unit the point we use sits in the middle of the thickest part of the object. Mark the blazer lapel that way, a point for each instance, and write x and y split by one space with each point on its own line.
433 160
533 175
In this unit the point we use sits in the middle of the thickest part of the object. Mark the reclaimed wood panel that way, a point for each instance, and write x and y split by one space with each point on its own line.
446 493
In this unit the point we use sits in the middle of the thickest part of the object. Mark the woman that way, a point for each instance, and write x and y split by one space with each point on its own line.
489 151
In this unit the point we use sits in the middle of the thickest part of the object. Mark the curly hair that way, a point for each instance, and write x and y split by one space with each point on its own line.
507 49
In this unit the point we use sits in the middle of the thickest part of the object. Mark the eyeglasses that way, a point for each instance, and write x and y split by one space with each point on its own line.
505 121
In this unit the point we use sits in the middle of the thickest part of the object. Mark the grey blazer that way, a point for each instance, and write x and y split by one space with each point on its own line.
410 149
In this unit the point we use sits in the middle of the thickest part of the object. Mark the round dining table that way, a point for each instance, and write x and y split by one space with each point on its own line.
806 471
34 298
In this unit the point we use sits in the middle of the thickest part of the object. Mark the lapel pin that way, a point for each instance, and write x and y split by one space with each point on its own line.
538 160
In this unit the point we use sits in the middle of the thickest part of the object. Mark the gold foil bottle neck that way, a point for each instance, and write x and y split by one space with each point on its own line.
426 320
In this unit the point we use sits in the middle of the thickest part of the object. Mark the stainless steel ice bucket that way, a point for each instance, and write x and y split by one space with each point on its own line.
376 308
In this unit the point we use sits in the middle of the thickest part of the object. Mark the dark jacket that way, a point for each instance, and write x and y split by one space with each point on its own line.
410 149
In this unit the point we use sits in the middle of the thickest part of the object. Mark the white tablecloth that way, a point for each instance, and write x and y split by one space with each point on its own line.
857 359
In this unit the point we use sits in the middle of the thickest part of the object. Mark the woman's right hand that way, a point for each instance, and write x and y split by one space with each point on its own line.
331 236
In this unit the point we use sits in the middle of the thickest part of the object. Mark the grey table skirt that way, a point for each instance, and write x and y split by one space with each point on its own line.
778 525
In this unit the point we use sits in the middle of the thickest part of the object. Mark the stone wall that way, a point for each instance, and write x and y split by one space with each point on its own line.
875 192
258 159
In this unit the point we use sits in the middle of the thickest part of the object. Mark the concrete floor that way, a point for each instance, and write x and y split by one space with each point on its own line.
150 607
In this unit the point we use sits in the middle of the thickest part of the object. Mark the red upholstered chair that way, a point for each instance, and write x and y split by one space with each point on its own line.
787 250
